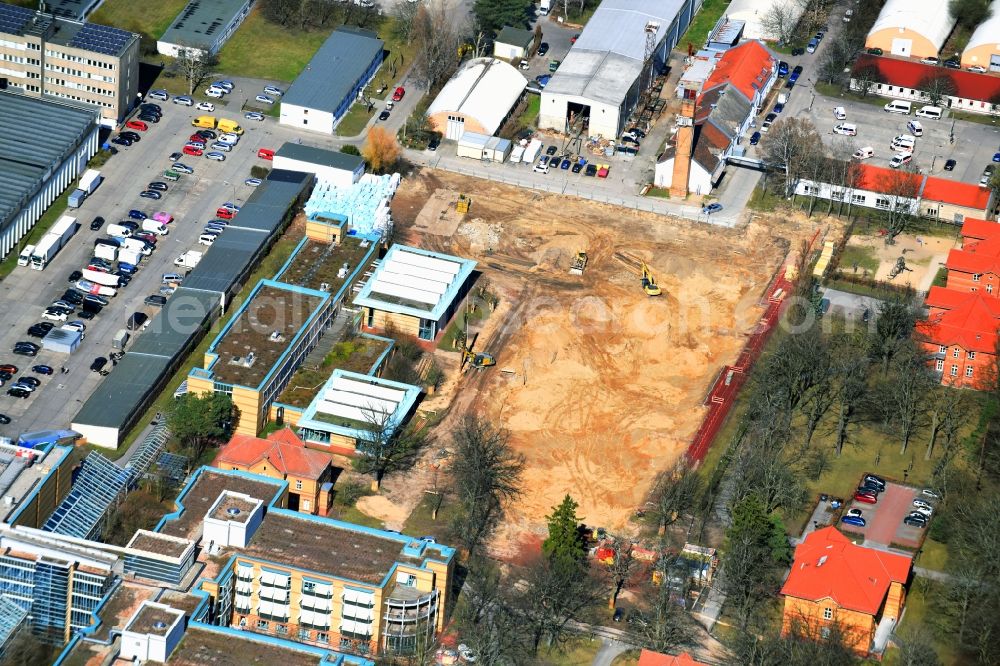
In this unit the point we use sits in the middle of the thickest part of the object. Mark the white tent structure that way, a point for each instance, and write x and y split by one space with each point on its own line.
911 28
983 48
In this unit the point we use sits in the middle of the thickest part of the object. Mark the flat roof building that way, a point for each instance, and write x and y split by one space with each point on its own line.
77 10
84 63
320 96
281 321
598 84
352 409
478 98
329 166
513 43
322 581
36 167
414 291
203 26
122 397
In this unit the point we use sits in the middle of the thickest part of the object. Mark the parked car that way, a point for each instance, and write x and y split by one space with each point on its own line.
927 492
875 480
866 497
205 106
254 115
182 168
42 369
161 95
216 156
100 361
711 208
779 107
856 521
131 136
914 521
96 223
271 90
950 165
253 182
150 194
191 150
383 116
121 141
17 392
543 48
782 69
854 512
184 100
397 94
159 186
264 99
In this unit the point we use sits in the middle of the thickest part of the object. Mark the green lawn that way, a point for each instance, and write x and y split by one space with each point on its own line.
355 120
706 18
575 652
420 521
530 114
933 555
152 21
864 257
658 192
261 50
974 117
941 279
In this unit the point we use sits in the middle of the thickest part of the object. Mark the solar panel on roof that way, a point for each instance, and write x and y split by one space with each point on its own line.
12 18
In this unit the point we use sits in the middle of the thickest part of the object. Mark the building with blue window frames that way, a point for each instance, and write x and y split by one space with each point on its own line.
321 95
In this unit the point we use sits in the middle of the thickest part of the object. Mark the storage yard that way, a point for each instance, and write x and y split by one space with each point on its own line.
600 385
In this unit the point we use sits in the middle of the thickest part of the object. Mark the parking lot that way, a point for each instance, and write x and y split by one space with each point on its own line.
192 201
884 519
972 149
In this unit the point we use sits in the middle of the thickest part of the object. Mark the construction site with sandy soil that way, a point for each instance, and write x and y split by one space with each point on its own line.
600 385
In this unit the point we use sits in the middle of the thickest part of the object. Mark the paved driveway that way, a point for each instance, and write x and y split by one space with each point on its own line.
885 519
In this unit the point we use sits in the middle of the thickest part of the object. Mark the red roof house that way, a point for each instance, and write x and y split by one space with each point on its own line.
284 456
961 334
650 658
749 67
834 580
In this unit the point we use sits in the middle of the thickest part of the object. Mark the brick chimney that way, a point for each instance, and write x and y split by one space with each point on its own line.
684 144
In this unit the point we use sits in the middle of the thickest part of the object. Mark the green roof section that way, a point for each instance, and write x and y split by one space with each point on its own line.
515 36
321 156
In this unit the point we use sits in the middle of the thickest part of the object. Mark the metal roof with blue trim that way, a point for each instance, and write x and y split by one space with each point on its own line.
415 282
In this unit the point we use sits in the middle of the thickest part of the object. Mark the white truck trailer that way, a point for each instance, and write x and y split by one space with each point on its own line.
52 242
88 183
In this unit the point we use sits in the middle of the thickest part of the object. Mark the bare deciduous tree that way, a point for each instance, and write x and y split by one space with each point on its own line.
388 447
620 568
487 474
937 88
194 65
436 37
675 492
779 21
866 78
789 146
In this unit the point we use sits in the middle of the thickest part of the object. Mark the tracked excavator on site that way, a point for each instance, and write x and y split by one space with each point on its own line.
646 276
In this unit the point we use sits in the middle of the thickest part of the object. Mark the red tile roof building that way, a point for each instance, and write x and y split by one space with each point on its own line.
960 332
928 196
903 79
284 456
650 658
749 68
834 580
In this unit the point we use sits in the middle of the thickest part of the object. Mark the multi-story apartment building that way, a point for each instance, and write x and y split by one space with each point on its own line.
59 581
86 63
314 580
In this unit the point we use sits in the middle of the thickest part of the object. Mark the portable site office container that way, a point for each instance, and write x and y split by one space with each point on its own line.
484 147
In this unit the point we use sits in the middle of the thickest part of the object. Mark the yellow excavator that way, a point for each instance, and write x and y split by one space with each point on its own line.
477 360
648 281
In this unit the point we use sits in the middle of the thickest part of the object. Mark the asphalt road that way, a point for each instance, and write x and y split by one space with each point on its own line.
192 201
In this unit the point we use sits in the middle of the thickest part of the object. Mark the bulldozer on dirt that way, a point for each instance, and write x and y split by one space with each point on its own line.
579 264
646 276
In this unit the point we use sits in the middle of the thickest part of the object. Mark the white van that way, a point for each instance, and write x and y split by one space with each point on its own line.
864 153
899 159
840 113
118 231
904 142
24 258
898 106
158 228
915 128
932 112
206 239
